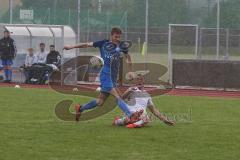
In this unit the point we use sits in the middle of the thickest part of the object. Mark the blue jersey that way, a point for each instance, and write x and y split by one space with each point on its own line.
109 72
111 59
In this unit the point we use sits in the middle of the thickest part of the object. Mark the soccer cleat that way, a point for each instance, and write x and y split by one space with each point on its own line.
114 121
132 125
78 113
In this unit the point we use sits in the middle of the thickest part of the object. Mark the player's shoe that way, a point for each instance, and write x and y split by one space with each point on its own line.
115 119
77 112
132 125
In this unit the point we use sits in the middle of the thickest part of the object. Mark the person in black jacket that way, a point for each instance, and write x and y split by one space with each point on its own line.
7 53
53 57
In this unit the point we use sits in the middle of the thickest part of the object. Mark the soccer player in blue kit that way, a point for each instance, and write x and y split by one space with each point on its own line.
109 72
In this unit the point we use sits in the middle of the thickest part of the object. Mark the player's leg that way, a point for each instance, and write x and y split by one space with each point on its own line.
92 104
97 102
7 69
125 121
143 120
108 85
137 124
4 68
118 91
120 102
10 71
124 107
120 121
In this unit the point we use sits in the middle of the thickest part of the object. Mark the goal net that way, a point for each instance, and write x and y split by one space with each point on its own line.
208 44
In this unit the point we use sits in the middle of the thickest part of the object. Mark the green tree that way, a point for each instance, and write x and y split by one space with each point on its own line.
161 12
229 15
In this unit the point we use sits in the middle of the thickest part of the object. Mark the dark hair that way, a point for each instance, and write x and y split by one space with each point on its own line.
52 45
6 31
42 44
116 30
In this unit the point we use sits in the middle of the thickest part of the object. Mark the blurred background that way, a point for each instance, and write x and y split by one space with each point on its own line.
96 17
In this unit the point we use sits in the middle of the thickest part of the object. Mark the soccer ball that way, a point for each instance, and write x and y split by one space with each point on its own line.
98 89
96 62
17 86
75 89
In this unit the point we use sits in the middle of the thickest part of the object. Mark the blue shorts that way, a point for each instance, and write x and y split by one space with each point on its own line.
107 84
7 62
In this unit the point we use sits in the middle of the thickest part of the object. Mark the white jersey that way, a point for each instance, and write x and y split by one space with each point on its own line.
41 57
30 60
139 100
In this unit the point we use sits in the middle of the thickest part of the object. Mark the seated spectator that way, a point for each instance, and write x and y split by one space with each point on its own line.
53 60
30 58
54 57
29 61
39 73
42 54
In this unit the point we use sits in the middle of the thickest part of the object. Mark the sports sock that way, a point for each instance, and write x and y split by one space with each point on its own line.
89 105
6 74
123 106
10 74
120 121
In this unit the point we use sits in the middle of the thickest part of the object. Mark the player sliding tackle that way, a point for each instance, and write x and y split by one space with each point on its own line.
138 102
110 51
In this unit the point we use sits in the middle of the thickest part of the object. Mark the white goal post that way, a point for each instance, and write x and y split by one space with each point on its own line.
170 53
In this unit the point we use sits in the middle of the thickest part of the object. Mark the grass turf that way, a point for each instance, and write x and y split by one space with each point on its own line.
29 130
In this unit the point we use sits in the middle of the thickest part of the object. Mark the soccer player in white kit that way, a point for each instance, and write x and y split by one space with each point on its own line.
139 100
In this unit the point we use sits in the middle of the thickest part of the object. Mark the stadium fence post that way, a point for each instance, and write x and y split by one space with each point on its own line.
227 44
62 55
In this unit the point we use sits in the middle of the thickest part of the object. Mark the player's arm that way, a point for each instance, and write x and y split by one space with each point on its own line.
80 45
160 116
129 62
130 69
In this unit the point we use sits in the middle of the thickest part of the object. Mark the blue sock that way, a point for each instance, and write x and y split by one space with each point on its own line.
10 74
6 74
123 106
89 105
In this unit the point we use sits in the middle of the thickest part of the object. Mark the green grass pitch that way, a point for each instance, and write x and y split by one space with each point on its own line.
29 130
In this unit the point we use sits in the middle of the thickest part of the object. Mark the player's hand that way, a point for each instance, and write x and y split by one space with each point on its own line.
67 47
169 122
